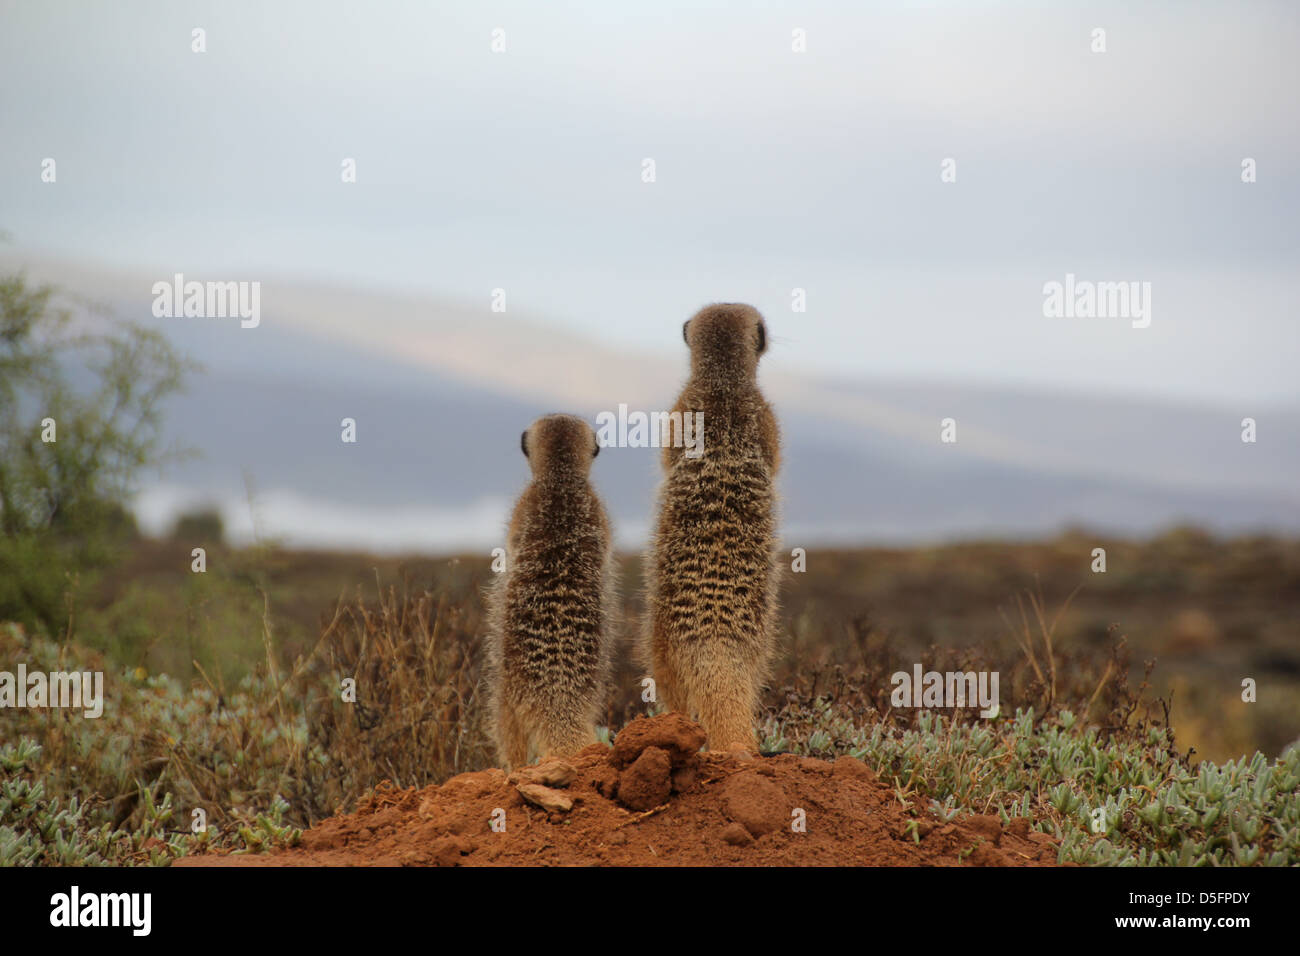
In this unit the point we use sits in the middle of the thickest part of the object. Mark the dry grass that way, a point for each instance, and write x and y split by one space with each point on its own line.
416 718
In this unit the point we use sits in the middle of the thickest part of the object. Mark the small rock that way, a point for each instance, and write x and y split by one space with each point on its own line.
479 783
552 772
545 797
605 781
675 734
324 837
852 768
1019 827
449 850
736 835
755 802
684 777
385 819
986 855
647 782
986 825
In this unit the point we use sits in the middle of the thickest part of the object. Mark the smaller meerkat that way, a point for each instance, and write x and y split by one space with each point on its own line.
712 570
551 612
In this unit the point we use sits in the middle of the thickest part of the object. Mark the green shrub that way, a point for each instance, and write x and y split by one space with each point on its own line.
263 760
68 455
1156 810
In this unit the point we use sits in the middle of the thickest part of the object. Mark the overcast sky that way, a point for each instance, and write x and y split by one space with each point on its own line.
774 170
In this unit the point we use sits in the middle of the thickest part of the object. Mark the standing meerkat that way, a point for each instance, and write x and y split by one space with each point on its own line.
712 570
551 612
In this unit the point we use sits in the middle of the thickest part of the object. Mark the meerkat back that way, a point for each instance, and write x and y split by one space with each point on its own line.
550 614
712 571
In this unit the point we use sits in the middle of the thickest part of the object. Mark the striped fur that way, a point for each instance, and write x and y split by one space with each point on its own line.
551 612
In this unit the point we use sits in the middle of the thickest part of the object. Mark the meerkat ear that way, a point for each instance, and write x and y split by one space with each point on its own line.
685 335
595 450
523 442
762 338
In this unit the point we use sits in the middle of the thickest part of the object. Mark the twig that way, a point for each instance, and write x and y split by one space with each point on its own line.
641 816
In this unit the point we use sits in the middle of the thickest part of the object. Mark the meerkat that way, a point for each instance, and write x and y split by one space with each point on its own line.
551 611
712 570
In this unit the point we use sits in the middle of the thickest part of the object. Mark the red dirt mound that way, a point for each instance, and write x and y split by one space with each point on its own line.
654 799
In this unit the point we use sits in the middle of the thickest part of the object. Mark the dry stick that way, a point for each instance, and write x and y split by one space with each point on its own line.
1025 644
67 635
1050 632
273 668
1037 605
207 680
303 661
1105 678
273 671
641 816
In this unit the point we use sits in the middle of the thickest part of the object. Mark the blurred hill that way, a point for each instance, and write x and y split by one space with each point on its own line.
440 392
